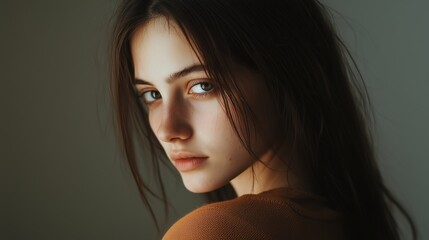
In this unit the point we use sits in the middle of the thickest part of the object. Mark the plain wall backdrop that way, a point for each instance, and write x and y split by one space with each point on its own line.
61 175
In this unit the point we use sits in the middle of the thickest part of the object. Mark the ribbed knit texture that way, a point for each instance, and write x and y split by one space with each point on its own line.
281 213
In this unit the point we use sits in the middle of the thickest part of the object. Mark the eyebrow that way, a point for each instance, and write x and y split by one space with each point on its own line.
179 74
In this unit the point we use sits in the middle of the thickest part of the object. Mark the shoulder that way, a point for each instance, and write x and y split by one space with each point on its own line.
277 214
223 220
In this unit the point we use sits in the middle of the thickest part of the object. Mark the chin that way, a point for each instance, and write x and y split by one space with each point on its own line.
197 186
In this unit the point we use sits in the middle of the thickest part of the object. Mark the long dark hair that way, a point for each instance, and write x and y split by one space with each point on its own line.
315 86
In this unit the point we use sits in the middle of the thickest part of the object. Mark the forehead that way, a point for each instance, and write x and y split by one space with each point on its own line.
159 48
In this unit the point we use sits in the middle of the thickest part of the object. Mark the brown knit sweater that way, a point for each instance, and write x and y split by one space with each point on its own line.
281 213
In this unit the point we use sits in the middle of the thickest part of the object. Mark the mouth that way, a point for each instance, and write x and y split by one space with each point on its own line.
187 161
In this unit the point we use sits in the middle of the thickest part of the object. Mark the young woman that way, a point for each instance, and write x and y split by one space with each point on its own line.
255 104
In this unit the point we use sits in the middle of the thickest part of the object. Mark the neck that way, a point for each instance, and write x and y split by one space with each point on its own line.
268 173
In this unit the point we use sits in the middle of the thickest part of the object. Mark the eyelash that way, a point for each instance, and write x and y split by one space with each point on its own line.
196 95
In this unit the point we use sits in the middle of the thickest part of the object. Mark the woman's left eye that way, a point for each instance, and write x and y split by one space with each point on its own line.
202 87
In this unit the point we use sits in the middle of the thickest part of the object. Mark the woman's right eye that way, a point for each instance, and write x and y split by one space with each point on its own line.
150 96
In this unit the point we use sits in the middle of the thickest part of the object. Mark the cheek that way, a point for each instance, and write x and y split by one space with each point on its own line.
215 130
207 119
154 120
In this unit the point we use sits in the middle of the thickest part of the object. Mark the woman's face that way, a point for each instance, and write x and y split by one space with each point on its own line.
185 112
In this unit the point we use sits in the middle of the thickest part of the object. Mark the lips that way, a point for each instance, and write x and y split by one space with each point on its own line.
187 161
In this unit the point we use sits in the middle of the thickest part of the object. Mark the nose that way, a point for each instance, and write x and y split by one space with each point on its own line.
174 124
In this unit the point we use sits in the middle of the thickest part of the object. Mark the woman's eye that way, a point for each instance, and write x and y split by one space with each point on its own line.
202 87
150 96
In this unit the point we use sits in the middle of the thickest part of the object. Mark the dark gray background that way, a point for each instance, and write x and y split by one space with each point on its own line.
61 176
